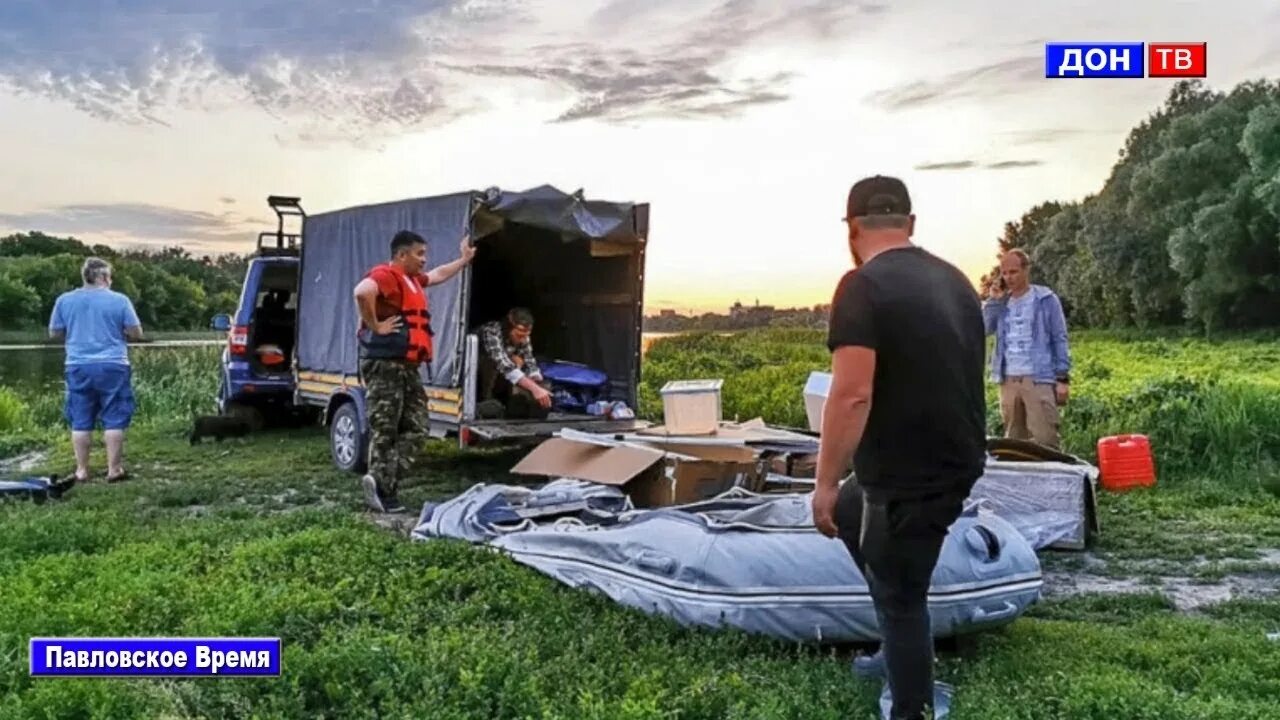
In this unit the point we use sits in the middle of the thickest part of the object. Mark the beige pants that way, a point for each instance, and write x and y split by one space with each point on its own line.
1030 411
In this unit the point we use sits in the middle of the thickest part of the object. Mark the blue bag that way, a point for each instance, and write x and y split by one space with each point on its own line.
574 386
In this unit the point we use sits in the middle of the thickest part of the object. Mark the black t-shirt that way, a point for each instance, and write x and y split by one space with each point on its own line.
926 432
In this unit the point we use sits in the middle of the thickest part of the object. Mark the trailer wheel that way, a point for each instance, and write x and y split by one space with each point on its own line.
349 446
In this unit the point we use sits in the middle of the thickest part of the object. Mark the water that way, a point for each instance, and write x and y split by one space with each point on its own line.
27 366
41 365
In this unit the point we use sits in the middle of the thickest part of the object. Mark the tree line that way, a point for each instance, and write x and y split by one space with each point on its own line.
1185 230
170 288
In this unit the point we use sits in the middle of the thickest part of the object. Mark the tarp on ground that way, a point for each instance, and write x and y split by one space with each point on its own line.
340 246
742 560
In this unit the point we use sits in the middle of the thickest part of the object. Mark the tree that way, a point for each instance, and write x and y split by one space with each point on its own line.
1186 228
170 288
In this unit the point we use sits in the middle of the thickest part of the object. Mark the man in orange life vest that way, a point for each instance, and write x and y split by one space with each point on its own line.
395 339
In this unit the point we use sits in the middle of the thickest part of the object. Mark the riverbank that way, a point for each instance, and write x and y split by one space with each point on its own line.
1166 616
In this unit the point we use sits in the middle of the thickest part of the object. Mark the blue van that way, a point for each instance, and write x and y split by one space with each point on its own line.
257 381
577 264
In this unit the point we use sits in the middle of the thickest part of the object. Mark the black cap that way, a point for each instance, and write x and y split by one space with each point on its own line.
878 195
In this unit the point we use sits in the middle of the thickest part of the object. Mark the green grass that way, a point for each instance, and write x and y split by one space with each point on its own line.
1210 409
171 385
262 536
36 336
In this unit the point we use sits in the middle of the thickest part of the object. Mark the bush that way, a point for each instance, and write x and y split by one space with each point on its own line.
1211 409
13 411
170 384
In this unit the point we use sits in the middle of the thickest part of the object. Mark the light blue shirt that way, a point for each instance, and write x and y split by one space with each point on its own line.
1017 351
94 320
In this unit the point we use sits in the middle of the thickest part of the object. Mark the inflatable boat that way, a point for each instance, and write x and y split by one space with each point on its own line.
741 560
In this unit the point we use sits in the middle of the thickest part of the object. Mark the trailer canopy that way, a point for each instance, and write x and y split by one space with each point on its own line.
340 246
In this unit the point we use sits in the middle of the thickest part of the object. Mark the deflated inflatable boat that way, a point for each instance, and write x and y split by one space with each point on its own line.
742 560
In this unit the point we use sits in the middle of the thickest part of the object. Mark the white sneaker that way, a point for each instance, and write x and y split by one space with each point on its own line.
372 497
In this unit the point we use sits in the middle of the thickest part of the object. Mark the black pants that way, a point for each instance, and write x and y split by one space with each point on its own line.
498 398
895 545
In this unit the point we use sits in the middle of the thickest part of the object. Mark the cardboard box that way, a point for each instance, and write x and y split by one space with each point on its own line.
652 475
691 407
796 465
804 466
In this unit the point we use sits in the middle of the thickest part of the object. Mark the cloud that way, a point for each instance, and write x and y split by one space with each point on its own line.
954 165
137 221
682 76
1008 77
630 86
361 70
1049 136
227 200
1012 164
341 63
974 165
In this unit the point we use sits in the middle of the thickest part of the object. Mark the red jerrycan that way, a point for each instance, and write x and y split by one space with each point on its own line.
1125 462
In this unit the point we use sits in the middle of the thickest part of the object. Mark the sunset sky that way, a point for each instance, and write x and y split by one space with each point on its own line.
743 122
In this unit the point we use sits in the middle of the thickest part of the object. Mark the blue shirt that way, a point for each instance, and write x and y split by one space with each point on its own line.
94 319
1050 355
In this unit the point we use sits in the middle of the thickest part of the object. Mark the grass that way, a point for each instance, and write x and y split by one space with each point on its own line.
36 336
1210 409
261 536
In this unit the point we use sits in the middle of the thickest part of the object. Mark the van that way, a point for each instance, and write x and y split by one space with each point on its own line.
257 379
577 264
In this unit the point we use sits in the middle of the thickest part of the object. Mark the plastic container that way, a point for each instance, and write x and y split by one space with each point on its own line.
815 397
691 407
1125 462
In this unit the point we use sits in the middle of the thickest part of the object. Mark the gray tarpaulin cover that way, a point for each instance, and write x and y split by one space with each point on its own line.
339 247
742 560
1048 502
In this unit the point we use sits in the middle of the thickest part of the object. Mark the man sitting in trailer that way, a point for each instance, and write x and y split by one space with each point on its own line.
510 384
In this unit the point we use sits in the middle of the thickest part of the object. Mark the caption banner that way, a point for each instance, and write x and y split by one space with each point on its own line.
155 657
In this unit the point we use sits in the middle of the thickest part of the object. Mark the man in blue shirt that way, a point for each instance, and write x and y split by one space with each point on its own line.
1032 360
96 323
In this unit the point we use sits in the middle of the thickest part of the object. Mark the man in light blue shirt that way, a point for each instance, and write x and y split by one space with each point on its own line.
1032 360
96 322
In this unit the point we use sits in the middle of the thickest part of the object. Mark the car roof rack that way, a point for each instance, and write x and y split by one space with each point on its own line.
284 243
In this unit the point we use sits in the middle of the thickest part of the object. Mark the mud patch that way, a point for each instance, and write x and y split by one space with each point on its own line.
1258 580
26 462
399 523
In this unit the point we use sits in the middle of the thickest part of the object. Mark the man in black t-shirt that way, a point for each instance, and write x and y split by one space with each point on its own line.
907 403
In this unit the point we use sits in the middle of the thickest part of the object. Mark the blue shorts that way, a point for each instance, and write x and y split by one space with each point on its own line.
99 392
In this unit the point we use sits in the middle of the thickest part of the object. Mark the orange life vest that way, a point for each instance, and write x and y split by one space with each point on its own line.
413 341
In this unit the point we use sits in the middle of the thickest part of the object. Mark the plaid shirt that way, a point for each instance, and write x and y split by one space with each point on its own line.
499 348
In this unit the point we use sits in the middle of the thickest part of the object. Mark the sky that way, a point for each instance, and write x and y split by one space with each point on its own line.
742 122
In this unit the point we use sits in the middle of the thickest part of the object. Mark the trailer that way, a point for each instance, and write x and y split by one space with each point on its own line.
577 264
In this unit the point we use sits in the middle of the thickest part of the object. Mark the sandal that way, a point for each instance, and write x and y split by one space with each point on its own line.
124 475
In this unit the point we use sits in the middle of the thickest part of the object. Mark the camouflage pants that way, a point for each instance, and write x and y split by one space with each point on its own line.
398 420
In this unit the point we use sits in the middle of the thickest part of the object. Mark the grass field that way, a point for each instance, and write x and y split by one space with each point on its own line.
262 537
38 336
